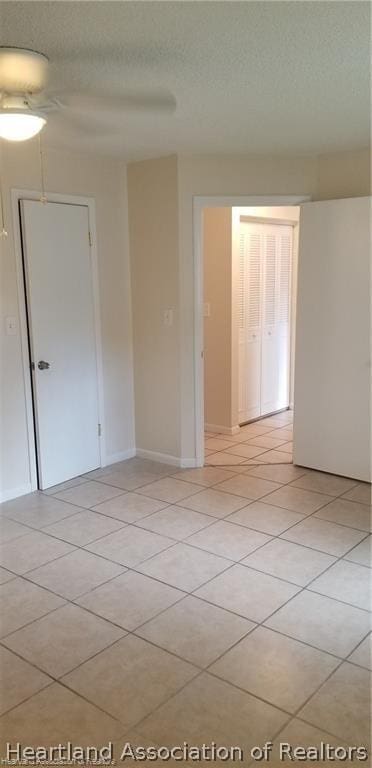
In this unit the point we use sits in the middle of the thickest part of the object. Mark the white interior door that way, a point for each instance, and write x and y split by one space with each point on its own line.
332 424
59 289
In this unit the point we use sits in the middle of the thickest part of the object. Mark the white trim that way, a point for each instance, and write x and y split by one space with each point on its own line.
16 197
165 458
216 201
114 458
88 202
188 463
221 429
267 220
13 493
91 203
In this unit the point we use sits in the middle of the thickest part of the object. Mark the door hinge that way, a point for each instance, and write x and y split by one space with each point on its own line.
99 430
90 238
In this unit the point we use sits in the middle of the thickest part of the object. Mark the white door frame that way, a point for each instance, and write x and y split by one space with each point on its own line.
89 202
215 201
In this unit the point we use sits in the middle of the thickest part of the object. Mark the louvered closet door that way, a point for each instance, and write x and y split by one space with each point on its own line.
250 264
276 296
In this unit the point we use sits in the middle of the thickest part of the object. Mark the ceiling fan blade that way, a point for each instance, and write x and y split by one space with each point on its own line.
149 57
78 123
43 101
157 100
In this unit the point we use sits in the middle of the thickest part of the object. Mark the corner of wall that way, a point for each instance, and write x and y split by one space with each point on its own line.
344 174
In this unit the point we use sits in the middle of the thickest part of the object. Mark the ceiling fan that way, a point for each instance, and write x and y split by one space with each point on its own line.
25 103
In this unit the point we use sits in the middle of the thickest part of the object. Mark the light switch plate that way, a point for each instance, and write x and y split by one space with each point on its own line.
207 309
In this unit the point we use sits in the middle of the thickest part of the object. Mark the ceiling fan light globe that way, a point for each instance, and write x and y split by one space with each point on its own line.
20 125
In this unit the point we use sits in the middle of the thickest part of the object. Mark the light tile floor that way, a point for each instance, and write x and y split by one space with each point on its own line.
228 604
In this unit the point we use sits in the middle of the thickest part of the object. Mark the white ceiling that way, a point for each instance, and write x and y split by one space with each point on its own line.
249 77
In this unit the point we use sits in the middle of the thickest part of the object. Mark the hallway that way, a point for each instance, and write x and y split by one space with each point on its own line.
267 441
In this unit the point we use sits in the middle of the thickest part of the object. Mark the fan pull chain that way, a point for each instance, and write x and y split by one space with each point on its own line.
43 197
3 231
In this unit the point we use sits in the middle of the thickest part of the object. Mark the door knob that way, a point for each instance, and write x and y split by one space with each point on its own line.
43 365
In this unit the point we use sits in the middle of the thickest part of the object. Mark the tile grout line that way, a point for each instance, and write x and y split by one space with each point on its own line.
186 594
288 483
201 670
247 442
215 520
59 681
355 649
134 568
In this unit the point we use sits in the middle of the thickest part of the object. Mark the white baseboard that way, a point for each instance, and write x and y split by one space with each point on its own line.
221 429
114 458
162 458
13 493
190 463
166 458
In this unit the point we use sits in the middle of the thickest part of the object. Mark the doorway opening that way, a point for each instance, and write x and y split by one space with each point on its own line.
248 272
250 256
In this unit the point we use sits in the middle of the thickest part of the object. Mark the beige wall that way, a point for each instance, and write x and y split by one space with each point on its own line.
217 252
166 419
222 175
161 218
104 180
246 175
344 175
153 232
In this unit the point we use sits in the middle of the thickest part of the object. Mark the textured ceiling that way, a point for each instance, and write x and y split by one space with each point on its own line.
249 77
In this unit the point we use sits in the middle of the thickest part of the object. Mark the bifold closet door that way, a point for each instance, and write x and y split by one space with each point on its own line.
264 318
332 424
276 296
250 282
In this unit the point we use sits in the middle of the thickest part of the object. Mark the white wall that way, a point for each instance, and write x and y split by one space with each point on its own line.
105 181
